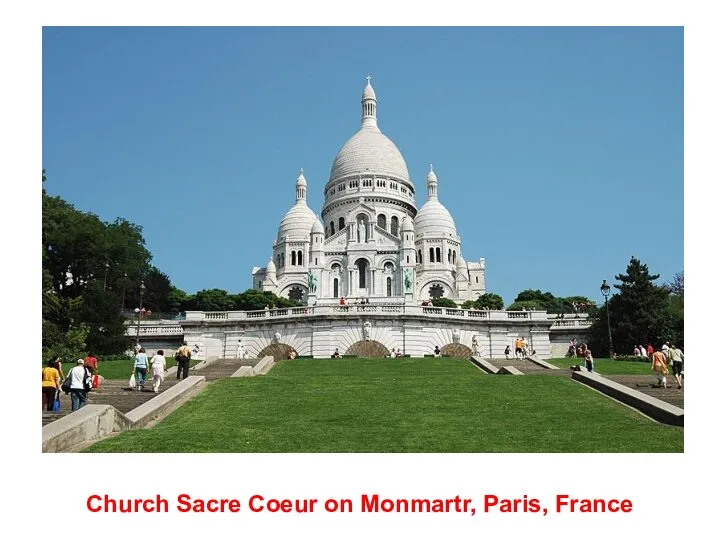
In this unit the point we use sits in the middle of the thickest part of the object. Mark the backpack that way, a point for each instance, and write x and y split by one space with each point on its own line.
65 387
87 380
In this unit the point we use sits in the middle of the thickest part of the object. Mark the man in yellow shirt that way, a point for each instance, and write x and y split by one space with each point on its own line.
518 347
182 357
50 385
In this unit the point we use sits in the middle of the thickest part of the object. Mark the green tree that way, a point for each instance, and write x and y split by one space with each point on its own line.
639 313
253 300
157 291
490 301
485 301
443 302
83 276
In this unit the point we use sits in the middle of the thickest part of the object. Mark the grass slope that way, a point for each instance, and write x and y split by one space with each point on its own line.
407 405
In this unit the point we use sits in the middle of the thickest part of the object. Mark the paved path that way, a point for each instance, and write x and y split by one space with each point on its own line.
124 399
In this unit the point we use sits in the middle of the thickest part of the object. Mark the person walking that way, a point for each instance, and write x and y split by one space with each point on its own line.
91 363
80 383
58 366
507 352
659 367
158 370
589 360
50 385
518 347
677 358
182 358
141 368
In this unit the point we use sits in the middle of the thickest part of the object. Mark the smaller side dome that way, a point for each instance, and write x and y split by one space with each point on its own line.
407 224
301 180
461 262
317 227
271 267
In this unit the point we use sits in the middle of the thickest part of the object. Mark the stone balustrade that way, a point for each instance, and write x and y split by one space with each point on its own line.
367 309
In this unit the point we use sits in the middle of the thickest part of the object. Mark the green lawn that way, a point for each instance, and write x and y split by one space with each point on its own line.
605 366
407 405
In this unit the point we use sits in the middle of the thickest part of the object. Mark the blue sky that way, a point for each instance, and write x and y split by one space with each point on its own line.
559 151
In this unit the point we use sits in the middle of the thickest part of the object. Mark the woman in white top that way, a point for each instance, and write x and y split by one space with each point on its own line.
158 370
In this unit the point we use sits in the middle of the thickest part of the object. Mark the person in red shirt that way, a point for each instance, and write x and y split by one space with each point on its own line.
650 350
91 363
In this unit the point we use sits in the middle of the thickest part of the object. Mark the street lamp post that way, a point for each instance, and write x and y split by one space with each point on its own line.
122 302
139 313
107 267
605 290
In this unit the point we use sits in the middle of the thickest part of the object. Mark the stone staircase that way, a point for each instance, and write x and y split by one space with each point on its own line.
527 367
647 384
111 392
223 367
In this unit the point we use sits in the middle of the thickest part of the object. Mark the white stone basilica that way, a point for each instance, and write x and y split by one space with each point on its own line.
371 242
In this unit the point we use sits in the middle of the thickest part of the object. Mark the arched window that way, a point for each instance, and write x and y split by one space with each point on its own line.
332 228
336 288
432 254
476 279
419 256
293 260
449 255
341 224
300 258
382 222
437 255
362 271
394 225
335 268
389 267
389 286
437 291
296 293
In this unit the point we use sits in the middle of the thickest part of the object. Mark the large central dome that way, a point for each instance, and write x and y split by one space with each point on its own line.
369 151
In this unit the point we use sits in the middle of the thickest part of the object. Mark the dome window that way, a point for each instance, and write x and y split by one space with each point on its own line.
382 222
394 226
341 224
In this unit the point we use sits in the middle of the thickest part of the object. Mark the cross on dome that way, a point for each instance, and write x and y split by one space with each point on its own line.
368 78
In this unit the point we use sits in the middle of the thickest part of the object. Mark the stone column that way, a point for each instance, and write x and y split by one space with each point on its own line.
351 277
373 281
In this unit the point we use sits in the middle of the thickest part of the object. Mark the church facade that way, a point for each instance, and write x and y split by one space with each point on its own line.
370 240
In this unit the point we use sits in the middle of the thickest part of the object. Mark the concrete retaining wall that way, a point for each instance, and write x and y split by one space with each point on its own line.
166 402
86 425
483 364
652 407
95 422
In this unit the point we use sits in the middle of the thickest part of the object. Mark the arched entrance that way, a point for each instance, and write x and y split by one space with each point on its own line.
368 349
279 351
456 350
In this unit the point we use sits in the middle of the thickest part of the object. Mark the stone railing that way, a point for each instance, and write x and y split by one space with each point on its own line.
569 321
155 330
366 309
